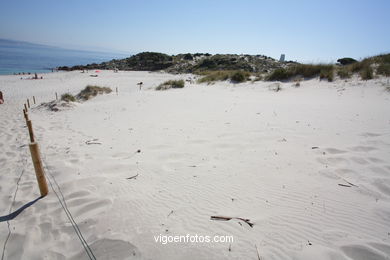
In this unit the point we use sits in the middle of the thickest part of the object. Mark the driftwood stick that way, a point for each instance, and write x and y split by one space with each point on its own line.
132 177
223 218
220 218
92 142
349 182
257 251
345 185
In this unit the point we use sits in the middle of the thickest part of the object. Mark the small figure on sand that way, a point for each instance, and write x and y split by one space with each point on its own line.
1 98
140 85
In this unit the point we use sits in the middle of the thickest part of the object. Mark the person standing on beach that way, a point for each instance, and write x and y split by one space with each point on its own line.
1 98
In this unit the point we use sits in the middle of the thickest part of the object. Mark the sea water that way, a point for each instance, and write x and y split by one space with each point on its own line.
15 58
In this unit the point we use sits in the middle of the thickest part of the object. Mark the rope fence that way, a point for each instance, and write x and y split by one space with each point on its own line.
40 168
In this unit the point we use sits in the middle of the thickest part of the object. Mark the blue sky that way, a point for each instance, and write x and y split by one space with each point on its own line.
309 31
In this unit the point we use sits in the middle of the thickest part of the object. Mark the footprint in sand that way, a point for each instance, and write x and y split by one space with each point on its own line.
10 154
111 249
382 247
91 207
334 151
375 160
362 252
370 134
363 148
383 185
359 160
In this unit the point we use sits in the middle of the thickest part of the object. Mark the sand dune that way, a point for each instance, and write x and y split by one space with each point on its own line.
308 166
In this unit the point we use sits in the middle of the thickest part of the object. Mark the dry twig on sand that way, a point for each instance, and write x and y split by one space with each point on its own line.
344 185
132 177
229 218
88 142
257 251
350 183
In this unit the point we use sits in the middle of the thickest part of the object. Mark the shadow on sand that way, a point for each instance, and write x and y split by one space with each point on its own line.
18 211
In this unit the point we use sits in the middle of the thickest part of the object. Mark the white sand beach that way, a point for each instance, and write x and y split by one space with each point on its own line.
308 166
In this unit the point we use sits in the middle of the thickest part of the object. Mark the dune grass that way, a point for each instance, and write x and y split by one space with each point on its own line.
171 84
236 76
369 67
92 91
344 73
67 97
383 69
307 71
366 73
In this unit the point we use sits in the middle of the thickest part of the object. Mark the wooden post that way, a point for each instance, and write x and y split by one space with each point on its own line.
34 99
56 96
30 130
116 90
28 103
25 107
26 117
39 172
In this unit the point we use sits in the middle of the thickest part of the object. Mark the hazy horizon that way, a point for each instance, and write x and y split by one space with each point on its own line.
306 31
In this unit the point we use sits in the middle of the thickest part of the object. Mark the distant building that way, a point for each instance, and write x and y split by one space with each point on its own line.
282 57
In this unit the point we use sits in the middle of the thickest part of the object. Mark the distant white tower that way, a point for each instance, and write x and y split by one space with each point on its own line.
282 57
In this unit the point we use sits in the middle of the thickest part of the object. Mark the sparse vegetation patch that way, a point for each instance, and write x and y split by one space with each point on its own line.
236 76
171 84
67 97
92 91
366 73
303 70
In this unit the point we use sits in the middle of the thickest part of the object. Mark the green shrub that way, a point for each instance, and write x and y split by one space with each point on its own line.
67 97
279 74
366 73
188 56
207 64
171 84
92 91
239 76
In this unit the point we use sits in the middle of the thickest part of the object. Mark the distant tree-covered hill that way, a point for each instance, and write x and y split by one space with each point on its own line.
188 63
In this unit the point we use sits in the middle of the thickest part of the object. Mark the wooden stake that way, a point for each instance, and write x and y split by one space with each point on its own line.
39 172
116 90
28 103
34 99
25 107
56 96
30 130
